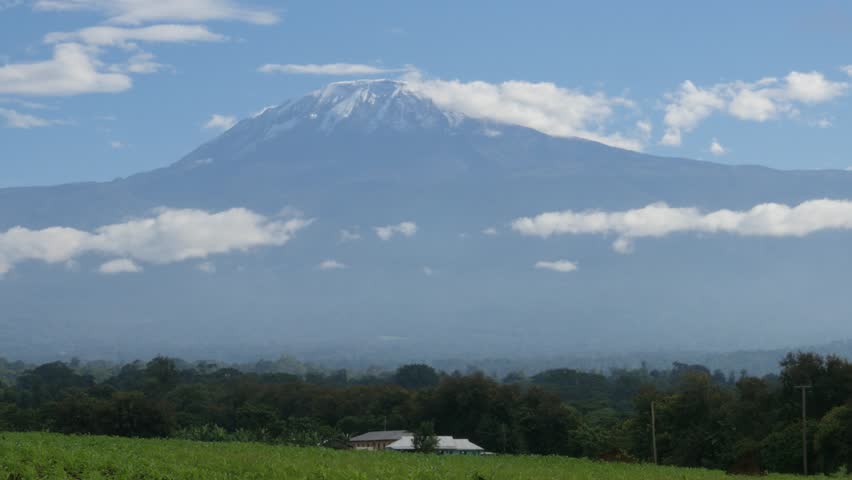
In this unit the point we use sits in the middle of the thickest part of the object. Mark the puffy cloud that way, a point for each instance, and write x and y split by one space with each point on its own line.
331 265
717 149
121 265
220 122
848 70
105 36
544 107
561 266
755 105
659 220
143 11
759 101
15 119
117 145
73 70
325 69
688 107
406 229
168 237
490 231
812 87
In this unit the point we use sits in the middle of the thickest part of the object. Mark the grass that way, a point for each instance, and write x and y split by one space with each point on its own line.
53 456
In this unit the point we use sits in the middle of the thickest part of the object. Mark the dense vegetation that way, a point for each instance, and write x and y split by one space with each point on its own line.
26 456
704 419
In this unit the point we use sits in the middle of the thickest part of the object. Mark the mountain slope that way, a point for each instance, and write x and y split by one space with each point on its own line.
358 155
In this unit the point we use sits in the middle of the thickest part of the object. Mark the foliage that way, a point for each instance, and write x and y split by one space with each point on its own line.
833 439
703 419
425 440
416 376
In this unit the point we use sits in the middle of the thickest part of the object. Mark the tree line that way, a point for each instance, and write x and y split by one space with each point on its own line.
736 422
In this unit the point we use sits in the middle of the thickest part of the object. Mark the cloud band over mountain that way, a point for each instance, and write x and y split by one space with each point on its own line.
172 235
660 220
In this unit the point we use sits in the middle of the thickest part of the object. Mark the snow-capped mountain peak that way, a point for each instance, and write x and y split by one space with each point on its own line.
361 105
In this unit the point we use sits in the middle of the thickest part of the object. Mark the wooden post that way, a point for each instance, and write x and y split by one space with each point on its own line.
804 389
654 432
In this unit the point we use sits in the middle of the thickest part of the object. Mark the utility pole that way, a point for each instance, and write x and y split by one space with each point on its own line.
804 389
654 432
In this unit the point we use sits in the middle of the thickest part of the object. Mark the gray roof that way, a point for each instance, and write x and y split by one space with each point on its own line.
380 436
445 443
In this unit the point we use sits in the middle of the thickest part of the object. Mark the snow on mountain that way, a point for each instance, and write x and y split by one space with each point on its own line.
365 105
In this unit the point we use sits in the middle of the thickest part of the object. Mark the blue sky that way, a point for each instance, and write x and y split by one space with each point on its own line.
767 79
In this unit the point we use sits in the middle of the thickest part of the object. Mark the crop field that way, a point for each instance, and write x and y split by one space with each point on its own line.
49 456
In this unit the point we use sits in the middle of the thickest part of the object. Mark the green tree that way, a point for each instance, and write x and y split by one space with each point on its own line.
833 440
161 375
416 376
425 440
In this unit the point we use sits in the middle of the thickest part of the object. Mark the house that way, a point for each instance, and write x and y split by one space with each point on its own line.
377 440
446 445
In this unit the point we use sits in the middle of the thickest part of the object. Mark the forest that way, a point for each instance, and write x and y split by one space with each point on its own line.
712 419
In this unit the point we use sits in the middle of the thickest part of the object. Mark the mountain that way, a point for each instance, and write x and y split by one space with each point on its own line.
359 155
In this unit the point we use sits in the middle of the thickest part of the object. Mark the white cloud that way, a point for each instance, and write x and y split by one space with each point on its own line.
812 87
349 235
133 12
325 69
562 266
644 127
168 237
73 70
105 36
659 220
406 229
848 70
331 265
117 145
15 119
717 149
490 231
687 108
141 63
220 122
623 245
428 271
206 267
759 101
121 265
755 105
544 107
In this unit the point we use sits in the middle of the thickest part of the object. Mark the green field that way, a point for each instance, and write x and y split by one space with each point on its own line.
48 456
